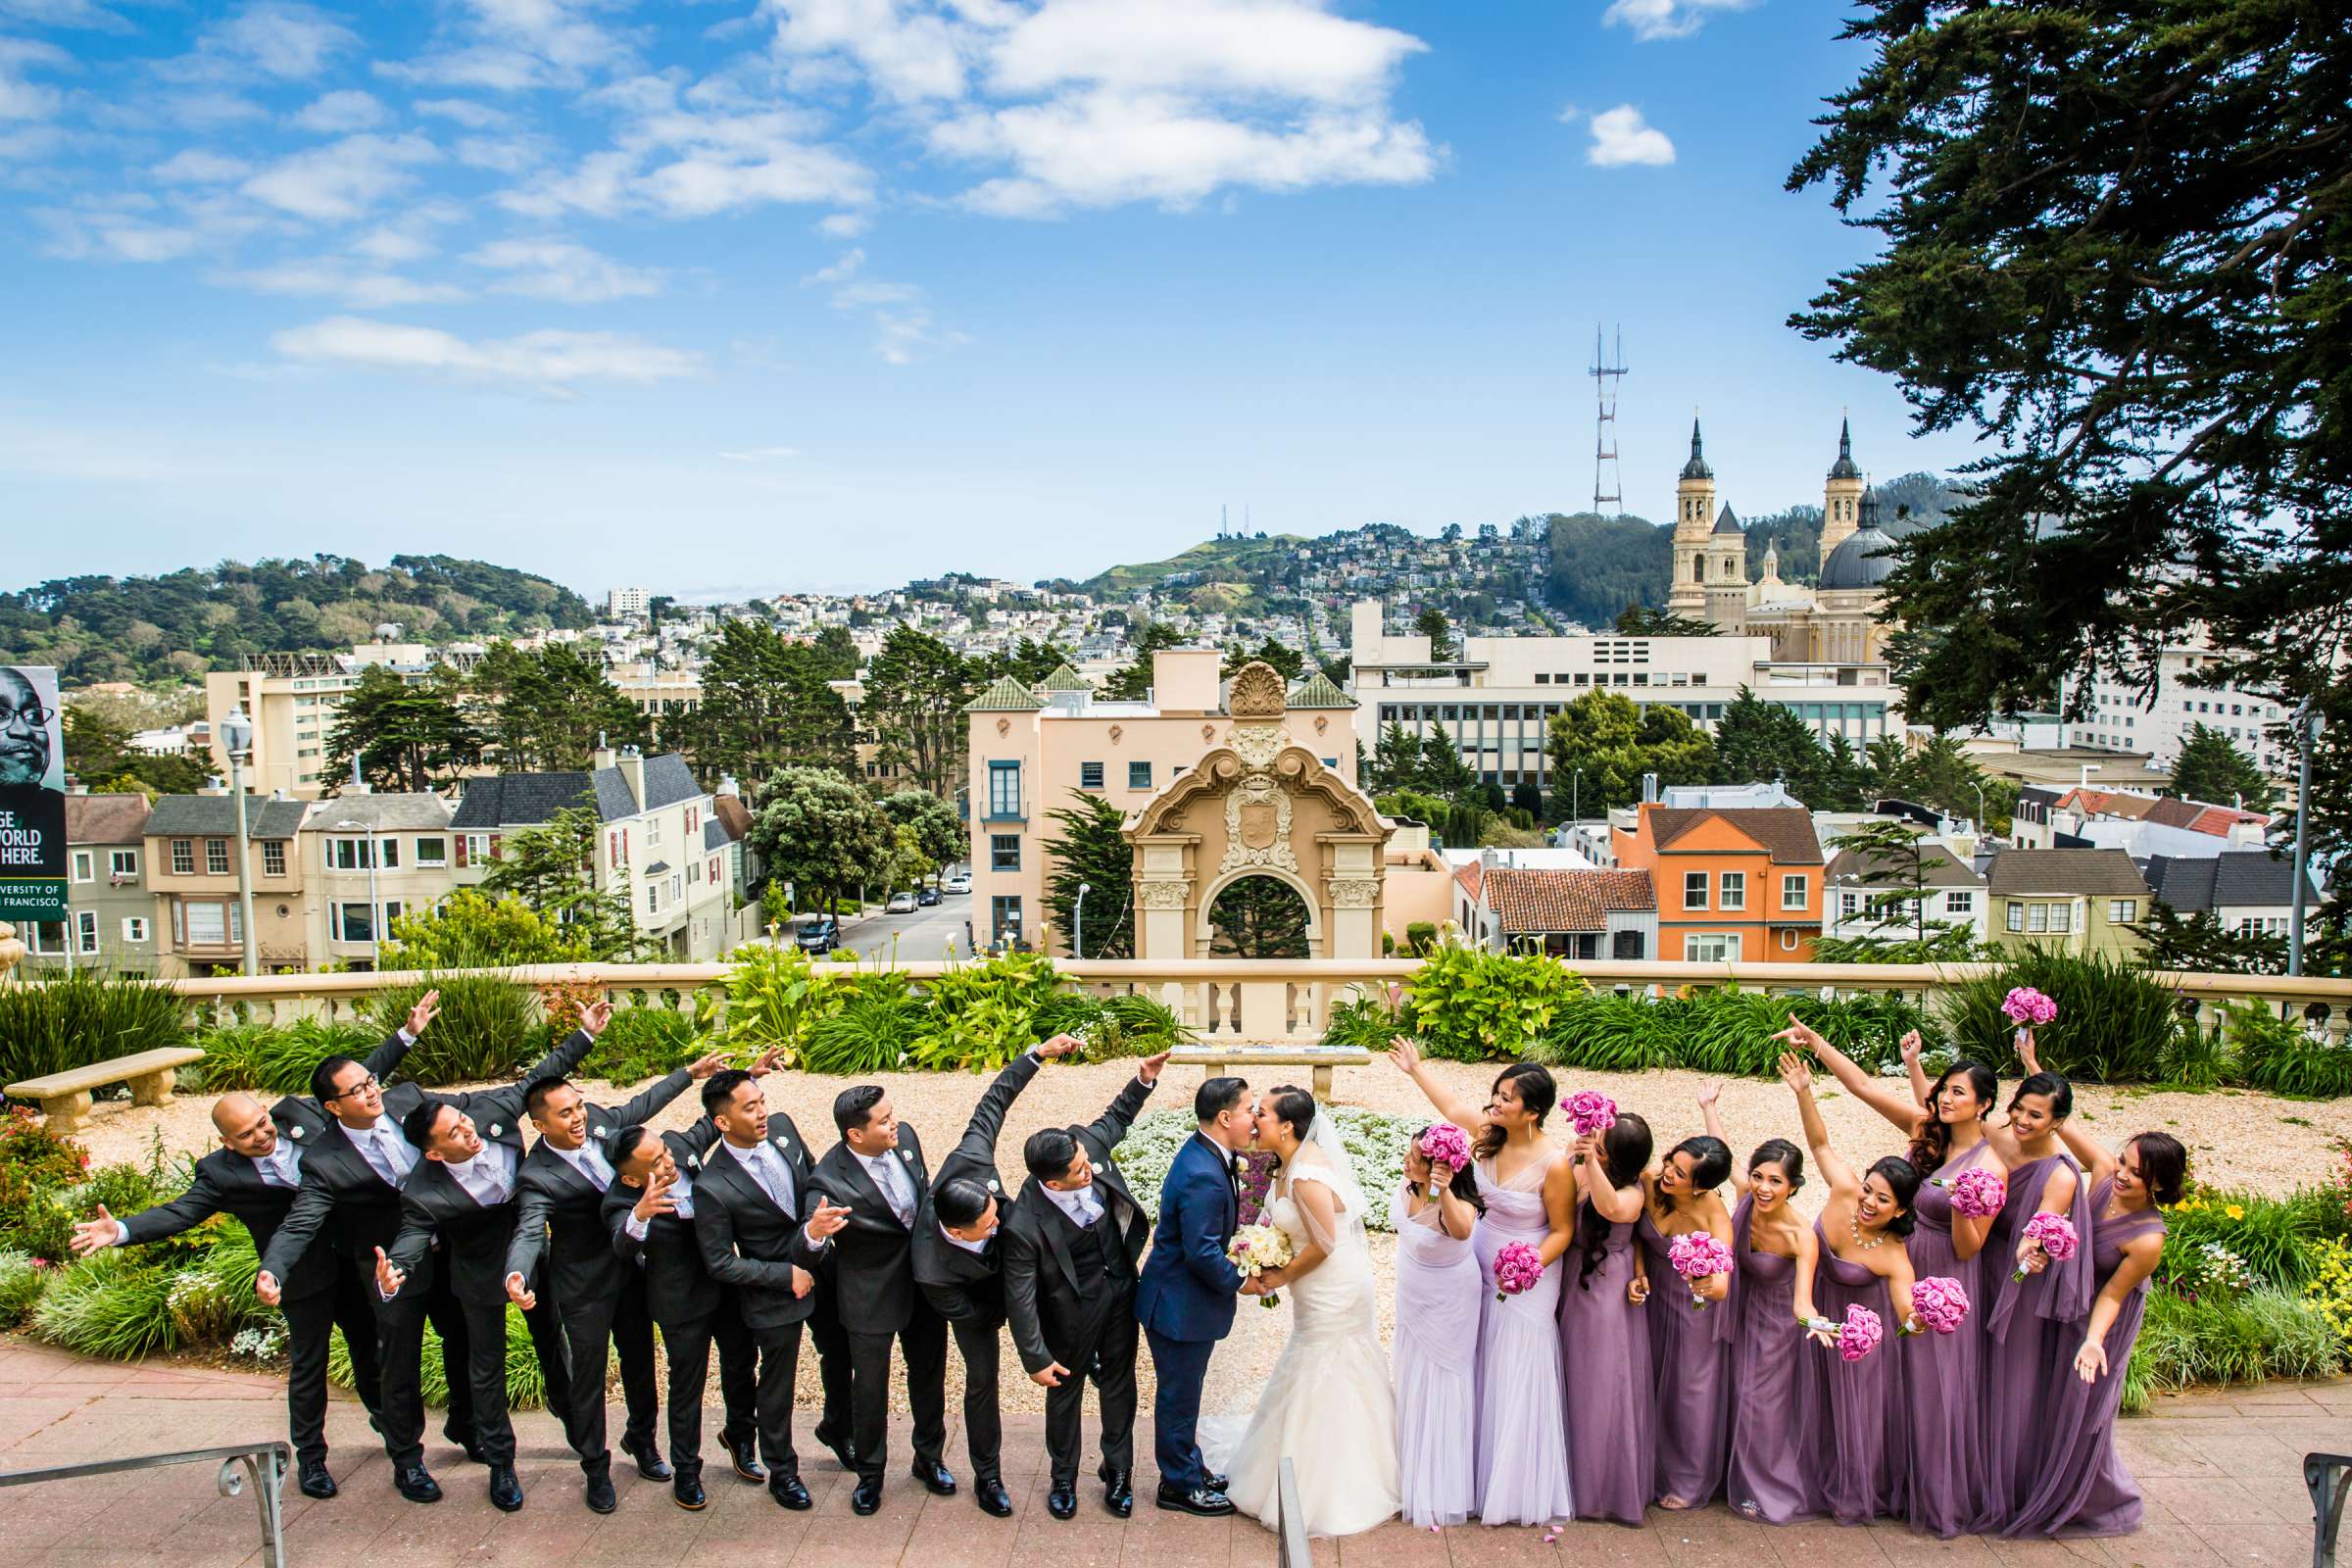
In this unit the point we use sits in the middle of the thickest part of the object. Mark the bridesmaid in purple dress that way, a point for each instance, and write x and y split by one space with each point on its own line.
1776 1410
1435 1361
1604 1331
2084 1489
2035 1322
1946 1371
1529 1194
1689 1344
1861 1445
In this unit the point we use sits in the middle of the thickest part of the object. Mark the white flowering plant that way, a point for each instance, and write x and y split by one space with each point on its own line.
1375 1144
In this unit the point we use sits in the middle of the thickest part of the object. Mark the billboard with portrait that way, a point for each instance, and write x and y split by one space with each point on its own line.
32 795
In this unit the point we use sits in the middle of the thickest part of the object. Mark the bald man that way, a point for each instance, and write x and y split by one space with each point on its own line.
253 1175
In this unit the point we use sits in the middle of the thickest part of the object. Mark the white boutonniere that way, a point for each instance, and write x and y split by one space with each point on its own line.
907 1157
296 1135
694 1162
496 1130
993 1187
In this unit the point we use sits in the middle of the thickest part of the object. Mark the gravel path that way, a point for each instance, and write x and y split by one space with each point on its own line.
2234 1139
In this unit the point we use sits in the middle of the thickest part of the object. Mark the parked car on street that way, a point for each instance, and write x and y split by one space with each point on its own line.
926 897
959 882
817 933
900 904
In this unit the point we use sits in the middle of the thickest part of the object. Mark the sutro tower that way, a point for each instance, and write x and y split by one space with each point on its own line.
1608 369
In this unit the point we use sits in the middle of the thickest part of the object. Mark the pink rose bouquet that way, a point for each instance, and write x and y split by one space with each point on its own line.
1447 1150
1861 1333
1518 1269
2025 1006
1974 1193
2054 1234
1940 1302
1591 1111
1698 1255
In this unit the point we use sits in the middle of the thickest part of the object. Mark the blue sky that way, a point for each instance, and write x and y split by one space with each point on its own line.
753 294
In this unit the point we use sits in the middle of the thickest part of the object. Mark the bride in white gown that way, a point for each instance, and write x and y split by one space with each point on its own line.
1329 1405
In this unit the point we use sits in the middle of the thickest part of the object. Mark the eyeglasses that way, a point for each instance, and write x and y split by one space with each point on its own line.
35 719
366 1085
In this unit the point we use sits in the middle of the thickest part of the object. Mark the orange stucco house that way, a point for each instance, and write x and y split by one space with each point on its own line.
1732 884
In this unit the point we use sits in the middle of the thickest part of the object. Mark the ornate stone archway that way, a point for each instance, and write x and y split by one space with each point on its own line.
1258 804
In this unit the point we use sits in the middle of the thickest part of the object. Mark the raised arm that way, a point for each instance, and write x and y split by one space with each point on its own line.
2057 1196
1405 1057
1910 1045
385 1057
1799 1079
1801 1035
979 1142
2141 1257
1110 1128
1714 1125
2096 1160
1620 1205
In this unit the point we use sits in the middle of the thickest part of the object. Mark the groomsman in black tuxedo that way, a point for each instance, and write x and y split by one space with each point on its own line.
877 1173
760 1226
352 1170
956 1262
460 1201
598 1300
1071 1244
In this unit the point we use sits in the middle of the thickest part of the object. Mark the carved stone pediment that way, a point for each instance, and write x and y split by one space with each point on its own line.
1257 692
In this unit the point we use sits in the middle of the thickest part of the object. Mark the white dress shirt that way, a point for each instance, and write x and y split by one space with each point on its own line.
682 1195
1082 1206
898 1188
488 1178
281 1166
387 1153
953 1240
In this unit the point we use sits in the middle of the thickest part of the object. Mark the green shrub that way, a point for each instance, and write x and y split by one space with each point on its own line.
772 998
60 1019
1607 1032
1420 936
272 1060
487 1030
651 1042
472 930
1469 1004
2275 1236
23 1278
1130 1024
2198 1058
2114 1024
2279 1057
981 1016
871 1021
36 1167
1365 1021
525 1388
116 1306
2248 1336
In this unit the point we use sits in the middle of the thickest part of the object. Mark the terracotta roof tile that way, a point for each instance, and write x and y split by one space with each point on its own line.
1566 901
1786 832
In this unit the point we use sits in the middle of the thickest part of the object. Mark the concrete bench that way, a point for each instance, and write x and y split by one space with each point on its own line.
1322 1059
65 1097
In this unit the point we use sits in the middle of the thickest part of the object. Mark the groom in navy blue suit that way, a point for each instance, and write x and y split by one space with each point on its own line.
1185 1295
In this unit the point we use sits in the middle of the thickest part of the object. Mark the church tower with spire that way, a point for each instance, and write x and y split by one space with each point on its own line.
1841 495
1694 534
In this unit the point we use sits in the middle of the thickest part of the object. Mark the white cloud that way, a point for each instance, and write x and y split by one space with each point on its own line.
340 112
905 336
907 53
1653 20
851 296
549 361
278 38
504 155
514 45
194 165
561 270
342 179
1271 48
1102 148
1620 136
64 14
464 110
129 229
843 226
762 454
21 98
332 278
840 271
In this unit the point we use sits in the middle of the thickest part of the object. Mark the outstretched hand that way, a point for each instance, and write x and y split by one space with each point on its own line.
1062 1044
389 1277
1404 1055
428 1009
703 1067
826 1219
1148 1070
594 1017
94 1235
1794 1074
1801 1035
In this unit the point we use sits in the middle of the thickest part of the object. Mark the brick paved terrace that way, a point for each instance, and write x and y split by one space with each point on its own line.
2223 1476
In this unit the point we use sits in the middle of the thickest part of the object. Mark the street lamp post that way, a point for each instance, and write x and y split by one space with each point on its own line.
236 739
1979 787
2308 725
1078 921
376 908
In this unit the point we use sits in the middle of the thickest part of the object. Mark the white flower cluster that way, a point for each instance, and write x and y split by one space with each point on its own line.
2220 1269
258 1344
1375 1143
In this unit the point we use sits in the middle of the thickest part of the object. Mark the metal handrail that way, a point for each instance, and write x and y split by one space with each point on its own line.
1291 1546
2325 1474
262 1464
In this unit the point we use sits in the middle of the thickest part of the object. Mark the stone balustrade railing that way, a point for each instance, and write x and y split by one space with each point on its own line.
1282 1001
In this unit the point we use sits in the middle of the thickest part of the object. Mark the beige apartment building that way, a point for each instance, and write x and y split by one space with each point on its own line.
292 700
191 845
1037 752
367 859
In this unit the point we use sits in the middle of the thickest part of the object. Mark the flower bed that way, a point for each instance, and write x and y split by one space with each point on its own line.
1376 1146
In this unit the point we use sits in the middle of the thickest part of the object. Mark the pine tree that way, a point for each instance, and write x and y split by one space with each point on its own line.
1092 850
2213 770
404 736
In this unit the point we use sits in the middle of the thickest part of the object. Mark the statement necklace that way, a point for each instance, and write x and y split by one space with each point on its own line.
1854 1223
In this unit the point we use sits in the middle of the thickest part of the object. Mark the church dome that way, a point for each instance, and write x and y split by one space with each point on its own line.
1843 467
1858 561
1697 468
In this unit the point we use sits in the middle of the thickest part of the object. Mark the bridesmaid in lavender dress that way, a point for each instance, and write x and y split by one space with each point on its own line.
1435 1358
1946 1371
1689 1341
1861 1447
2035 1322
1604 1331
2084 1489
1529 1196
1777 1410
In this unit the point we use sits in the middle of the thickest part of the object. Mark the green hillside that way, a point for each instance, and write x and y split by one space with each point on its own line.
1259 563
185 623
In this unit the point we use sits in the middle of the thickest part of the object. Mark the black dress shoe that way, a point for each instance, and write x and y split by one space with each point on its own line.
316 1481
469 1443
868 1498
687 1492
844 1451
990 1493
417 1484
648 1459
936 1477
1202 1501
1118 1493
785 1487
506 1493
601 1499
746 1455
1217 1484
1062 1500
